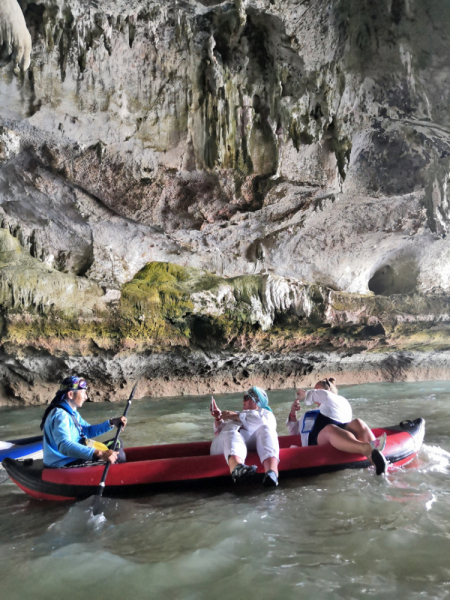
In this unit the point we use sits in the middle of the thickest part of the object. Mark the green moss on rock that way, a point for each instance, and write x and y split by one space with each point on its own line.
169 291
26 284
161 289
167 306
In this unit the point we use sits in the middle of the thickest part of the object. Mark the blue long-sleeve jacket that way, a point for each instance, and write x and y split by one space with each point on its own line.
62 437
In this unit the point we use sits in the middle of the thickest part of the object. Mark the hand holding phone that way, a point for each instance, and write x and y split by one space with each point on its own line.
215 410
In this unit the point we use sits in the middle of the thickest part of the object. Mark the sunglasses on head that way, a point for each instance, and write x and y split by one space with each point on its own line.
74 383
248 398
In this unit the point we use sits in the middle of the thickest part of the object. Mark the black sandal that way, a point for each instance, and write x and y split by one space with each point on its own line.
379 461
243 472
270 479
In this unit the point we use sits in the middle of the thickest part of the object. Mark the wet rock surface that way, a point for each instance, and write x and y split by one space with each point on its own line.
295 154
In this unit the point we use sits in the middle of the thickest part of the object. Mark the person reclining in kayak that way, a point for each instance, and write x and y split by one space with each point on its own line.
255 428
66 433
333 423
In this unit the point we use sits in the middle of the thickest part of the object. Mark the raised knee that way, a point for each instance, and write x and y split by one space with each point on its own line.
358 423
267 432
330 427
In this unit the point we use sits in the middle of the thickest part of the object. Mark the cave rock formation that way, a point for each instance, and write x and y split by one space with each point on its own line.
207 193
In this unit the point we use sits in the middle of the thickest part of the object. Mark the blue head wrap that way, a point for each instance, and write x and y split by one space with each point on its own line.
259 397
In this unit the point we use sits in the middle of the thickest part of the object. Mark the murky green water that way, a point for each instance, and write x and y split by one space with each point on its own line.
343 535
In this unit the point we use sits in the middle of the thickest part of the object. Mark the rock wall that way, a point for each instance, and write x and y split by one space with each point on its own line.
276 146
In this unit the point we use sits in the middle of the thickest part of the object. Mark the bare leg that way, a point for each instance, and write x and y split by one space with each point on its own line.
360 430
343 440
233 461
271 464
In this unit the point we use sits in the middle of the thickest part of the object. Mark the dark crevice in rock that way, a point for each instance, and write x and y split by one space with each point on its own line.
397 10
398 277
34 18
131 31
34 104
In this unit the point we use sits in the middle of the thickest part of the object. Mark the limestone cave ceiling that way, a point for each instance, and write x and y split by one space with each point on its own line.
306 139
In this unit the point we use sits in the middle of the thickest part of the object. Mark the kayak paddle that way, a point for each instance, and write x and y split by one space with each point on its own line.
101 485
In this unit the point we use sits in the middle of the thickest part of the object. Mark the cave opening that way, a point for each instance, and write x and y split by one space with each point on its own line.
389 279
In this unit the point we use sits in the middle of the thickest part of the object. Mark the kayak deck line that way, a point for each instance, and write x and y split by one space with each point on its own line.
189 466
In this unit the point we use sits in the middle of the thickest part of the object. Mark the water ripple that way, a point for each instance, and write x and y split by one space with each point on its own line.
342 535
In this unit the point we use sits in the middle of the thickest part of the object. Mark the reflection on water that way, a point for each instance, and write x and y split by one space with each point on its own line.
342 535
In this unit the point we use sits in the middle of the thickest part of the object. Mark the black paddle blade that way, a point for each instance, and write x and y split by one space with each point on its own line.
96 507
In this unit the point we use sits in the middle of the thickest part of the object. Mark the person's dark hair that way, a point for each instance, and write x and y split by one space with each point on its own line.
57 400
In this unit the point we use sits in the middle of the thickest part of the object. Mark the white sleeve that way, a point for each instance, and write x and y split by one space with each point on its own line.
271 418
243 418
293 426
218 428
309 398
316 397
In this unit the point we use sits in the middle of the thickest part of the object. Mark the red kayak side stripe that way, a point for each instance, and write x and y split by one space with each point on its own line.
202 467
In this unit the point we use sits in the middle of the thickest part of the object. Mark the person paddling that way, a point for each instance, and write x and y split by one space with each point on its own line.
334 424
67 435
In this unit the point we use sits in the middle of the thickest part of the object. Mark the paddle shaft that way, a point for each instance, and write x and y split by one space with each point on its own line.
116 439
101 485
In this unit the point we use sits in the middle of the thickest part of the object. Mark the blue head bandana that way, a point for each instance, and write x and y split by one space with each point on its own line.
73 383
259 397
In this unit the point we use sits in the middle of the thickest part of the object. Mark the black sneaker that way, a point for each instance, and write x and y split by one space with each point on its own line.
270 479
242 472
379 461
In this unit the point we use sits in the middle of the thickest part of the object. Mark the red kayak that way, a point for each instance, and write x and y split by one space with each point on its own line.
189 466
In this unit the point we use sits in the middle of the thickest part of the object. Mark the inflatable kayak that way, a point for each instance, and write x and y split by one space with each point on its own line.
189 465
30 447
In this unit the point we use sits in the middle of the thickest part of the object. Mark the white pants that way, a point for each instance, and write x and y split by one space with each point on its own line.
232 442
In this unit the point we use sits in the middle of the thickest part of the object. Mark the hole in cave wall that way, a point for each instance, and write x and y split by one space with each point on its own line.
382 281
399 277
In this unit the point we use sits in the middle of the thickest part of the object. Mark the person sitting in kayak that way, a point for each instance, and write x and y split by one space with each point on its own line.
333 423
254 428
66 435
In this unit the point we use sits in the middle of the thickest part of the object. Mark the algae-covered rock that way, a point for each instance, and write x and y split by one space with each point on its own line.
174 292
169 291
26 284
185 330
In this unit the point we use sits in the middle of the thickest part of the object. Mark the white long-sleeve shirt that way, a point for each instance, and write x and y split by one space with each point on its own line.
294 426
251 420
332 405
